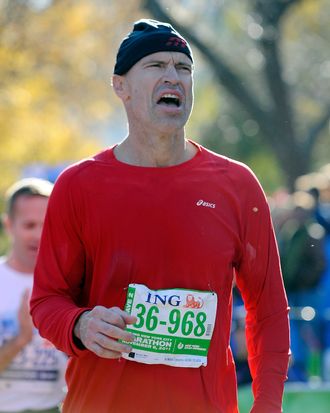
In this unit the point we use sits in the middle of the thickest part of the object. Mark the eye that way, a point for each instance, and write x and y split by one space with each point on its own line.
29 225
184 68
154 64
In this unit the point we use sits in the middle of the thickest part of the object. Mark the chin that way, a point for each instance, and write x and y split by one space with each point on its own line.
32 258
171 126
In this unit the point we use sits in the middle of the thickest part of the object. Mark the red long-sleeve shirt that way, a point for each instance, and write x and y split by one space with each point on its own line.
193 226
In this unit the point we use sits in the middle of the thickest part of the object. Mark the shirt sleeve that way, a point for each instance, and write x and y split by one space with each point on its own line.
60 268
259 280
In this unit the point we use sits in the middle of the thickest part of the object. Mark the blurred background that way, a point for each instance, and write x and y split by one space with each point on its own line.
262 96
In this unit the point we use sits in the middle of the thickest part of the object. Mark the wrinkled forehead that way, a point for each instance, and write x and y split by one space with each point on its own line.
167 57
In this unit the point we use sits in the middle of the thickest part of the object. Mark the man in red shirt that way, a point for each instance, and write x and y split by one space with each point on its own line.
140 249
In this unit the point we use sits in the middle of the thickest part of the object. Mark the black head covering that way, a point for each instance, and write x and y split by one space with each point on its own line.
149 36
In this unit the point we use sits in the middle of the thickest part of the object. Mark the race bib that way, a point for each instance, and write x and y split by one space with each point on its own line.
174 327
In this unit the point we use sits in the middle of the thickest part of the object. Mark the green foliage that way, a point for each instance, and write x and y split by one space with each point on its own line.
4 242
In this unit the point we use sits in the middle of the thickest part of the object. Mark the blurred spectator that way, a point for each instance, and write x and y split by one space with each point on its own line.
323 218
302 245
31 369
302 226
238 341
304 248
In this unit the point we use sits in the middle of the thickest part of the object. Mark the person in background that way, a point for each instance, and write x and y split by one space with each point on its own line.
303 236
31 369
323 218
238 341
165 225
301 246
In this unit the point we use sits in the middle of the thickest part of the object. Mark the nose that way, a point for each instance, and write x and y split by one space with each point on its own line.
171 75
37 233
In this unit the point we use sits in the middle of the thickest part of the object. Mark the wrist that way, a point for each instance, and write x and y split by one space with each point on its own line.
77 330
20 341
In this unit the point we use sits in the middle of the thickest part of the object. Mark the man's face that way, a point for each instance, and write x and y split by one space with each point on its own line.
24 227
159 91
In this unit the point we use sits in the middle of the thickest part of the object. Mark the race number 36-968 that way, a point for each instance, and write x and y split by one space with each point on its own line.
174 326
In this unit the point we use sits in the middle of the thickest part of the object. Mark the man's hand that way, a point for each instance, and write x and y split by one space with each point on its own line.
25 321
12 347
100 329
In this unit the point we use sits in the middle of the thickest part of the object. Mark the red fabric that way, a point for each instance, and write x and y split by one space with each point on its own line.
110 224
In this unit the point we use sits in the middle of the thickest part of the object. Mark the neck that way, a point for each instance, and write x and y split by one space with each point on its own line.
18 265
154 151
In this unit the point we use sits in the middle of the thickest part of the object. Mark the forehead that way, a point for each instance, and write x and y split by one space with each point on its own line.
30 207
176 57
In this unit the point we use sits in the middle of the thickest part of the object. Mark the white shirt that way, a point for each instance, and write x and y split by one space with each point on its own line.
35 377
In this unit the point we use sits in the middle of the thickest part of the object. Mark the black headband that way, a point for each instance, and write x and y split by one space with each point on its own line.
147 37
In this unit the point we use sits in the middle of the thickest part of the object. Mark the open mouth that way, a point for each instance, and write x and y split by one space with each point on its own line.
169 99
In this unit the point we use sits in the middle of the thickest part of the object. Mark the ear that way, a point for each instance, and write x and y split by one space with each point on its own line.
119 85
7 223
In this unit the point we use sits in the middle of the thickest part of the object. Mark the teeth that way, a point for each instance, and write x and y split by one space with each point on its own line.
169 95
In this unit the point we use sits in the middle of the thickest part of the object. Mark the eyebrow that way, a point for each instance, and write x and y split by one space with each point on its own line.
164 62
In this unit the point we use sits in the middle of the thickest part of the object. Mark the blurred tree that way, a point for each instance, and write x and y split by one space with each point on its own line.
56 58
273 60
55 65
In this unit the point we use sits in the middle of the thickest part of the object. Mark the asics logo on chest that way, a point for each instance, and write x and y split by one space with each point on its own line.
206 204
